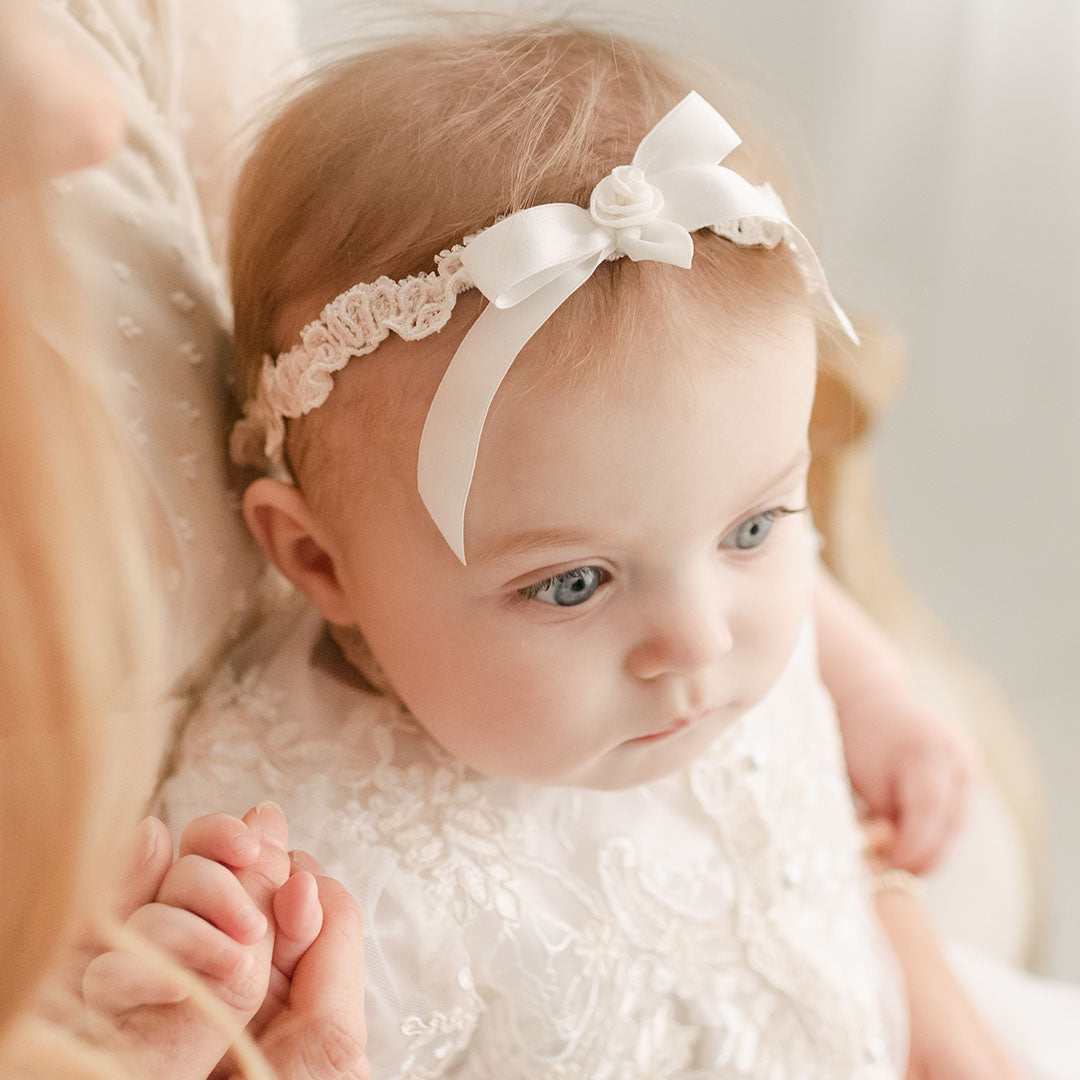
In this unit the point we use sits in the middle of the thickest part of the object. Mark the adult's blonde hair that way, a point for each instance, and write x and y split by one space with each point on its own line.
75 765
386 158
79 743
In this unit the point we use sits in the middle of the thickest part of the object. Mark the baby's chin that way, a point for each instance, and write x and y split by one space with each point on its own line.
628 765
635 763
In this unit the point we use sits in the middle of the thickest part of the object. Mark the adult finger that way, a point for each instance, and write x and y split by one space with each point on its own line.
323 1035
299 919
302 860
222 838
333 968
149 859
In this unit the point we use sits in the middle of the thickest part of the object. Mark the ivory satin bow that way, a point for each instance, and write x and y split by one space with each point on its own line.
527 264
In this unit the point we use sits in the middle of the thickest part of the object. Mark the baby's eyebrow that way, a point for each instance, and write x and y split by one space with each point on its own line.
516 543
801 459
510 544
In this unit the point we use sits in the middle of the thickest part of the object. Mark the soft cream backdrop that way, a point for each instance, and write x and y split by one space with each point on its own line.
942 142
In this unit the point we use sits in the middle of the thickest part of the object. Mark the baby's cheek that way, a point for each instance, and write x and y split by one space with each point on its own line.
778 622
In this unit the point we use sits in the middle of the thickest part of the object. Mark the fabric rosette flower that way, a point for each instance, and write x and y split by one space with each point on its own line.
625 199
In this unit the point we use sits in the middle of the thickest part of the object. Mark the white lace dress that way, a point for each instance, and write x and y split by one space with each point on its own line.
711 924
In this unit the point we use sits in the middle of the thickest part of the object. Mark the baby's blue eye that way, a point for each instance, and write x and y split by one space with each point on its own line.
751 533
569 588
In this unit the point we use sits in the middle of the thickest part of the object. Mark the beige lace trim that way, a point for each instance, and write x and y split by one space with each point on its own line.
359 320
353 324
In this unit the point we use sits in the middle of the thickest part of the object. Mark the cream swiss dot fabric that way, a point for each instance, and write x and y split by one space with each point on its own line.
141 237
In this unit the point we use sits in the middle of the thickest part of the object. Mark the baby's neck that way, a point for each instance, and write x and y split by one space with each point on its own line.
343 652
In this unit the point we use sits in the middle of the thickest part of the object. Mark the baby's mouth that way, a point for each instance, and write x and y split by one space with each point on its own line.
681 724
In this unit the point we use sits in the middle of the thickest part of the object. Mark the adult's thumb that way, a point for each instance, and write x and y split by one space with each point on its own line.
323 1033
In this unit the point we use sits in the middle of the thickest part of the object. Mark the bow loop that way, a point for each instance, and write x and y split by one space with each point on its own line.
693 133
518 256
529 263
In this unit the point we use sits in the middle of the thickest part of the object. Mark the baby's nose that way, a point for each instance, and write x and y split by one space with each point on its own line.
683 638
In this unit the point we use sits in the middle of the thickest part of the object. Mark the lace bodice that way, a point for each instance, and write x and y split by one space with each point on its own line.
712 924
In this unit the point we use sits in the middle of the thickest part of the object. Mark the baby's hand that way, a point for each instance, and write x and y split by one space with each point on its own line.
912 768
906 763
210 910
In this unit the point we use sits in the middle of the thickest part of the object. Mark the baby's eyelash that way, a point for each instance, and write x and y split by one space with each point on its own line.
530 591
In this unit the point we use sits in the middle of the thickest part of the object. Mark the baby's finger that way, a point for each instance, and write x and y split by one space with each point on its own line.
299 918
927 800
221 837
149 859
213 892
117 981
191 941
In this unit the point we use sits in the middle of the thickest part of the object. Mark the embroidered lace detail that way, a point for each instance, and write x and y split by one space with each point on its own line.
715 924
353 324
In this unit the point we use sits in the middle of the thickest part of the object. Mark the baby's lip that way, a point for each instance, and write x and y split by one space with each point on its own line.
681 723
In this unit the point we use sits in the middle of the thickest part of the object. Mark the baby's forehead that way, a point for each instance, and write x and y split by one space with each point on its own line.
604 343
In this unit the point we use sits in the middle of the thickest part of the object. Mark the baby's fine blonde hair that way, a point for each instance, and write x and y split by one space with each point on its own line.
387 158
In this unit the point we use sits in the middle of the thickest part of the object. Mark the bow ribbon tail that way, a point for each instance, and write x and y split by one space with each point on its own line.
450 441
814 277
692 195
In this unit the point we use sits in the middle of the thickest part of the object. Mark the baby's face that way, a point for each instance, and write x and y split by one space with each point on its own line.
634 584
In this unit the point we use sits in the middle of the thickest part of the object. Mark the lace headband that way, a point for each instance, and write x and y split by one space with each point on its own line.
526 265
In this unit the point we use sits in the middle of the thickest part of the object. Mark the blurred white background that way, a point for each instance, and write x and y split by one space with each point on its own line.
941 139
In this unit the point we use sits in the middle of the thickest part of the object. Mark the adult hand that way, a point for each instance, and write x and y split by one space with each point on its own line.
321 1033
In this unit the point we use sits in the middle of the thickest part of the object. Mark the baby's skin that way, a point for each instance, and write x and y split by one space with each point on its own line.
909 765
277 942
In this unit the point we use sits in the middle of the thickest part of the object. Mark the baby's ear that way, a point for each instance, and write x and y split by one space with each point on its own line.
283 524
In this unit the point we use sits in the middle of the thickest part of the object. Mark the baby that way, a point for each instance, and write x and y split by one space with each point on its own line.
566 737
